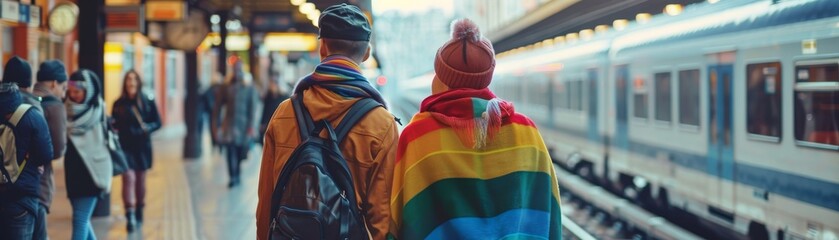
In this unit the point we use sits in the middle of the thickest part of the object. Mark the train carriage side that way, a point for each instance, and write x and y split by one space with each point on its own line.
560 88
762 156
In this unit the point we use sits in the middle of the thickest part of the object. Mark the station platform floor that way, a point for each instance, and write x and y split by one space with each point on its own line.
185 199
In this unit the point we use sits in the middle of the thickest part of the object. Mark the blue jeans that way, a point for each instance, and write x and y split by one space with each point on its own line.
40 224
82 211
235 155
17 218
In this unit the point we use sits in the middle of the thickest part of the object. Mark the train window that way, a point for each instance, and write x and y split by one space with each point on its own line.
509 90
662 97
497 85
537 93
591 93
763 104
640 95
575 95
560 99
568 94
816 103
689 97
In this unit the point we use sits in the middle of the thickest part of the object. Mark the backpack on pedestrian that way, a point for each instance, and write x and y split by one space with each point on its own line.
314 196
8 150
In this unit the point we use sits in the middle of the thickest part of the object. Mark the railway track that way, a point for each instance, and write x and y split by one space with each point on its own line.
589 212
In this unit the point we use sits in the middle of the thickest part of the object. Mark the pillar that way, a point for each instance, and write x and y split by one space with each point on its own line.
222 48
253 55
92 56
91 36
193 115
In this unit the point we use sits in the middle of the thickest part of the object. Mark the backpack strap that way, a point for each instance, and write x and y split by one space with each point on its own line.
13 121
19 112
358 110
304 120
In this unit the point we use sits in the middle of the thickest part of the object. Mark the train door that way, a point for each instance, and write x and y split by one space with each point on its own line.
593 123
621 133
720 135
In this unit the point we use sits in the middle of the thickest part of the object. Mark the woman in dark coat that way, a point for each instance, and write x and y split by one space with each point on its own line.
135 118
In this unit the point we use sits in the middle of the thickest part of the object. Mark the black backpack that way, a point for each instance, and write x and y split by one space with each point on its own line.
314 196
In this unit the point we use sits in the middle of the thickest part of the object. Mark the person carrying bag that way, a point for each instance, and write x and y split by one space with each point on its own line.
135 118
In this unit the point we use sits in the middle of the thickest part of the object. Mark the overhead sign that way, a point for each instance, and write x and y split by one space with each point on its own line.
271 22
20 13
124 19
238 42
10 11
34 16
166 10
121 2
302 42
23 14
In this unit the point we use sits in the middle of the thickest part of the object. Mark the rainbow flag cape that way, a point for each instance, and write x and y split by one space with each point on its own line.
469 167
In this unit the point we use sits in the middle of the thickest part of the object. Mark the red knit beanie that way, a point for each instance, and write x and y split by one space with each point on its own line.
467 60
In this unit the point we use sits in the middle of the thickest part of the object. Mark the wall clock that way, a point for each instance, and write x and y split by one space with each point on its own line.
63 18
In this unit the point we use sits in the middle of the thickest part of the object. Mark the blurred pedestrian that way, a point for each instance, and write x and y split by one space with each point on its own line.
236 105
51 88
469 166
369 146
276 94
135 117
26 147
208 103
18 70
87 165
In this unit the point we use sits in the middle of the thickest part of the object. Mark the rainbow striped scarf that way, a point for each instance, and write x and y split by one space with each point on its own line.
448 188
342 76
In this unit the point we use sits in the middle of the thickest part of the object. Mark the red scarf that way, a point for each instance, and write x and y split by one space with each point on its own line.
475 114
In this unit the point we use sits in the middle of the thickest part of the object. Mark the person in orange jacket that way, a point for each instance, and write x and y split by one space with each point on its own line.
337 83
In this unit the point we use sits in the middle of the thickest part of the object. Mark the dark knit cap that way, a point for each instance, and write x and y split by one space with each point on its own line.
345 22
18 71
52 70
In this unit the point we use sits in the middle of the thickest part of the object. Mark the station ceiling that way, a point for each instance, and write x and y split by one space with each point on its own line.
582 15
247 8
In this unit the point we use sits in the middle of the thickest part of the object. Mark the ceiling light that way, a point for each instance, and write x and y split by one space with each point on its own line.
233 25
560 40
643 17
620 24
601 28
548 42
586 34
673 9
571 37
713 1
297 2
313 15
307 7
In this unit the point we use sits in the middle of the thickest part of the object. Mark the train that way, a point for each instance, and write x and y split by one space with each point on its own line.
728 111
